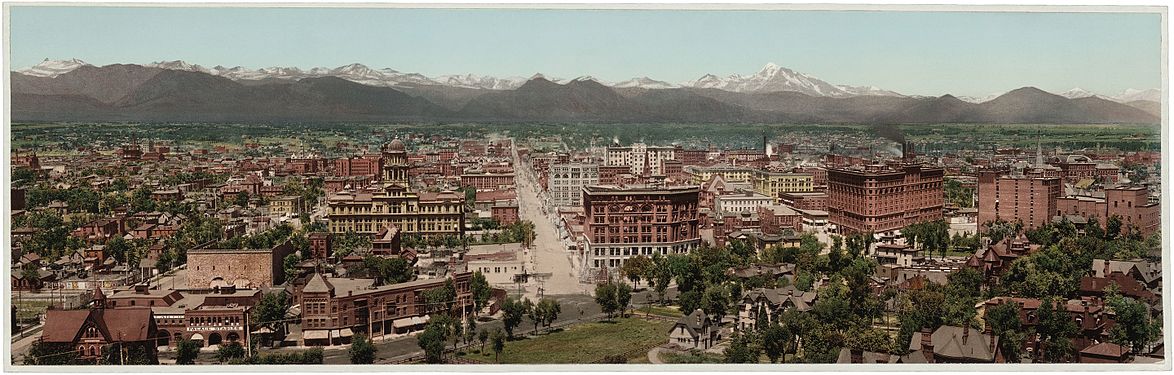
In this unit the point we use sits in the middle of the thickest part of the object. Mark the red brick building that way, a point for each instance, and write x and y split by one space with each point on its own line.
89 331
488 181
626 221
334 309
883 199
505 214
1031 201
1131 204
805 201
366 165
320 245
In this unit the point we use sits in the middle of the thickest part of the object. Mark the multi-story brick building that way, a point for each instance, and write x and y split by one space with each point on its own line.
883 199
805 201
626 221
481 180
334 309
366 165
320 245
566 182
1031 201
774 184
640 158
1130 204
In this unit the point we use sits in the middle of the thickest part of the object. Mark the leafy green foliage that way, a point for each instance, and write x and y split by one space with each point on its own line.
186 352
362 350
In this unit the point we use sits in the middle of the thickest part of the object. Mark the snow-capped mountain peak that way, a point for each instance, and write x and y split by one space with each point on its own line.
775 78
53 68
1129 95
1076 92
645 83
178 65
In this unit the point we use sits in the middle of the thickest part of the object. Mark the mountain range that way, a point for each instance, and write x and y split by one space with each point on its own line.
73 90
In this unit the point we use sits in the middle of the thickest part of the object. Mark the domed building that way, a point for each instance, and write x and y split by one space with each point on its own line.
395 163
395 205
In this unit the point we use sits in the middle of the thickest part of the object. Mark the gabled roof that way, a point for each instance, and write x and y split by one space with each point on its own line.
318 284
1105 349
694 323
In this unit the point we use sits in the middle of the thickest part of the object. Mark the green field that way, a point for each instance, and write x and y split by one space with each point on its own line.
585 343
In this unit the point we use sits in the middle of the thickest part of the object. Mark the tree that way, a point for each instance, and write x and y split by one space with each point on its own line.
470 330
42 353
481 290
186 352
270 310
659 275
498 345
742 349
483 337
1134 328
388 271
550 309
774 341
635 268
533 313
605 297
362 351
513 310
290 265
716 301
230 351
1003 321
1056 330
623 297
241 199
433 339
689 301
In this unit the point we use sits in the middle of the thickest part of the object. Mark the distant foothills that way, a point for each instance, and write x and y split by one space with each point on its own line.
175 91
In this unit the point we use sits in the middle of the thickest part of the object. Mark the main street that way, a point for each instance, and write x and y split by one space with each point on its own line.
548 255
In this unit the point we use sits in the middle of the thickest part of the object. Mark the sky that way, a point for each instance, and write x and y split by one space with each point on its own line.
915 53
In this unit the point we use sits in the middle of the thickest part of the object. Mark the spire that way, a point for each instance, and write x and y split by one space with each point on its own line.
1039 150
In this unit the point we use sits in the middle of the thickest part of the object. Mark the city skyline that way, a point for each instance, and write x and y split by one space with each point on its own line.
1105 53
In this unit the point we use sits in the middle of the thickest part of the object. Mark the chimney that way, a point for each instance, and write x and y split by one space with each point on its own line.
993 341
857 355
927 344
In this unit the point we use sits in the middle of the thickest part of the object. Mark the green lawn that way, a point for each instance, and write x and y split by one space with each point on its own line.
669 311
585 343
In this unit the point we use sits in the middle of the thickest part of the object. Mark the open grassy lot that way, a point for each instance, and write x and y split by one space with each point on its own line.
585 343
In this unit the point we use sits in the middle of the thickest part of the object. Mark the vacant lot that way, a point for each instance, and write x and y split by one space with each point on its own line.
584 343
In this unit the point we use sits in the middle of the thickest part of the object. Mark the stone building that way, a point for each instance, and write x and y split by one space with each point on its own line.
242 268
395 205
566 182
640 158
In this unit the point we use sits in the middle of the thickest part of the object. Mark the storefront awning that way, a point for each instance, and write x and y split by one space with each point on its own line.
316 334
196 336
345 332
402 322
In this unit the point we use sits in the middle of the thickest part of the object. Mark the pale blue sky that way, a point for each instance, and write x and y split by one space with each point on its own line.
922 53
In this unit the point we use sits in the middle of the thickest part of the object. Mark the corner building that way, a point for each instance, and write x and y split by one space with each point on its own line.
622 222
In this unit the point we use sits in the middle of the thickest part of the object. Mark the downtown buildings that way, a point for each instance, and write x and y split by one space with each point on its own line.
882 199
622 222
1030 200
